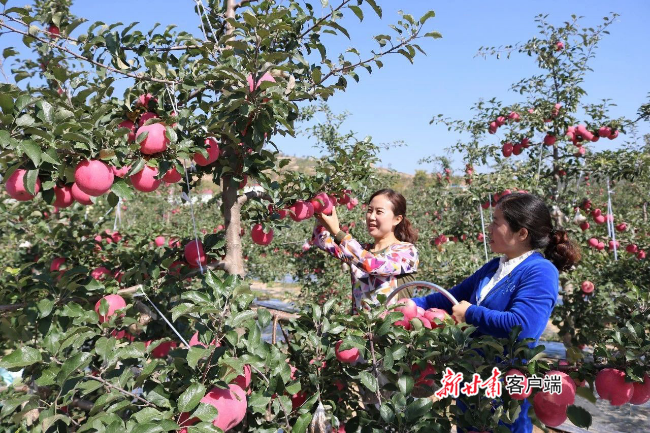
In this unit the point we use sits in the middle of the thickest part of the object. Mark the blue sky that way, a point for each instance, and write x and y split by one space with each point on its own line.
398 101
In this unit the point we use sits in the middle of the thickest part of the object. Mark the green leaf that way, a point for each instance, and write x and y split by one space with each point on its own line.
6 103
418 408
77 362
30 181
45 307
368 380
426 16
195 354
122 190
189 399
302 423
405 384
205 412
386 413
21 357
25 120
242 317
376 8
579 416
32 150
358 12
434 35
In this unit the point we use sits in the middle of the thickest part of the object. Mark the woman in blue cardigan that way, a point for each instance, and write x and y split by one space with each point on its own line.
520 287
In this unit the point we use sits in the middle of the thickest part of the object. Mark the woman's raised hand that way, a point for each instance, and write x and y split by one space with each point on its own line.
330 222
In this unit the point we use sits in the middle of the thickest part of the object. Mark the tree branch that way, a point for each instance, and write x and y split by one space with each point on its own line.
318 23
86 59
252 195
123 391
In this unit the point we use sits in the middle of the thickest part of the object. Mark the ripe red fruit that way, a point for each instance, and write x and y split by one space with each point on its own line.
120 172
613 244
600 219
100 273
632 248
194 255
54 31
172 176
160 241
492 129
640 255
584 226
422 378
549 140
80 196
244 380
128 124
145 180
587 287
522 395
500 120
115 302
63 196
16 188
480 237
352 203
613 135
514 116
435 313
144 99
601 246
56 264
407 307
93 177
641 393
298 399
548 412
254 86
605 131
156 140
146 116
517 149
301 210
621 227
584 132
507 149
559 46
213 153
230 403
611 385
162 350
346 356
259 237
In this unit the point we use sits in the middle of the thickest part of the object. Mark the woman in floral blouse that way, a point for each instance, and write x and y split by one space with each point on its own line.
382 266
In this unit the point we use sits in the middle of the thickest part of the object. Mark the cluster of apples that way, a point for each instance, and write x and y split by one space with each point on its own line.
508 149
231 403
416 317
302 210
501 120
580 133
496 197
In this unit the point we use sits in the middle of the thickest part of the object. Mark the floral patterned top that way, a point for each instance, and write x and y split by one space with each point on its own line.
371 273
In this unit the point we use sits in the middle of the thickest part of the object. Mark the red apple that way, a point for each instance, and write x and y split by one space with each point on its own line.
128 124
259 236
584 226
587 287
507 149
422 378
549 140
641 393
254 86
244 380
156 140
15 186
621 227
559 46
194 254
172 176
63 196
611 385
145 180
435 313
160 241
56 264
213 153
93 177
346 356
548 412
593 242
146 116
115 302
162 350
143 100
80 196
632 248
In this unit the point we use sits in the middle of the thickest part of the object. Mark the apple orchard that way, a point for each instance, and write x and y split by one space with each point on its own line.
126 301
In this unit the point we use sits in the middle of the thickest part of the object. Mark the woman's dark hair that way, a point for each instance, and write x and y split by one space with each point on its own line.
404 231
528 211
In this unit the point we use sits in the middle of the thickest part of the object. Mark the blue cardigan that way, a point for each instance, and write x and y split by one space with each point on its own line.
525 297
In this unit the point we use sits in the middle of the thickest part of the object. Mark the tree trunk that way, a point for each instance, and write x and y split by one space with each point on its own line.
234 261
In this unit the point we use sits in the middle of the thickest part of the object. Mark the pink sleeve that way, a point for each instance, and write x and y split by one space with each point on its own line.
324 240
397 260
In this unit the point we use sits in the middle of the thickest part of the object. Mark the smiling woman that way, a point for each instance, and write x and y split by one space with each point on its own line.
382 266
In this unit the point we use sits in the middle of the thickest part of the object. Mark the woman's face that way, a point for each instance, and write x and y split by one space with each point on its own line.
502 239
380 219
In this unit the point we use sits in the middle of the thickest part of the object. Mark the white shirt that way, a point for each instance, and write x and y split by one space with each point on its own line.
505 267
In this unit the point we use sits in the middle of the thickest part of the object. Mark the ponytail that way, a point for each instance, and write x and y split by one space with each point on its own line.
561 251
405 232
522 210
